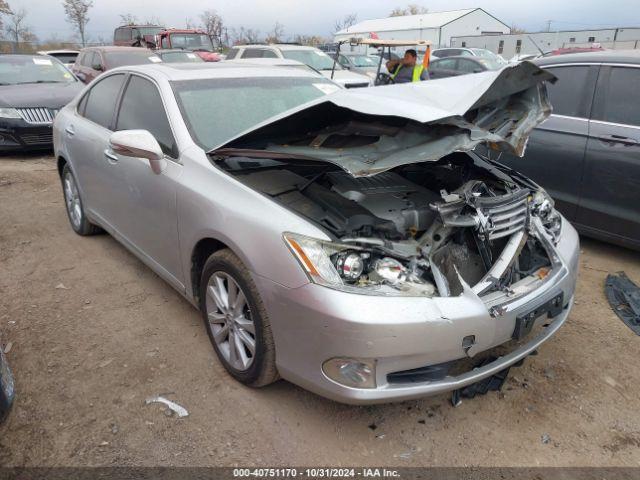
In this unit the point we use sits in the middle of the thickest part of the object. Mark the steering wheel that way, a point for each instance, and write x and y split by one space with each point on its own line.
384 79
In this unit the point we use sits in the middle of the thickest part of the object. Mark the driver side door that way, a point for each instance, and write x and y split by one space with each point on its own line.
147 215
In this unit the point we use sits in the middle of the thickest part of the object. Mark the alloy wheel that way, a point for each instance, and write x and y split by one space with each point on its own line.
72 199
230 320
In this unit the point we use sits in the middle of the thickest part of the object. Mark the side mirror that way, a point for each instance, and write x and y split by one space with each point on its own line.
139 144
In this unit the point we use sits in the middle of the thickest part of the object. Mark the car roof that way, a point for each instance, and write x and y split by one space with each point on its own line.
49 52
111 48
162 51
207 70
604 56
280 46
465 57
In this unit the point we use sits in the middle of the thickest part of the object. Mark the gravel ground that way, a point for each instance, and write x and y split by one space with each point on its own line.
94 333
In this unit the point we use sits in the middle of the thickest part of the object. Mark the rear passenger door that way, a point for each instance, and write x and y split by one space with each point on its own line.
555 153
610 200
443 68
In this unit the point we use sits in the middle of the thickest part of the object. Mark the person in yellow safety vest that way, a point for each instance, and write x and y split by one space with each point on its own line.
407 69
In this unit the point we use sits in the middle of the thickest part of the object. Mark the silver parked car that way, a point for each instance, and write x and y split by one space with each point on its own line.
348 241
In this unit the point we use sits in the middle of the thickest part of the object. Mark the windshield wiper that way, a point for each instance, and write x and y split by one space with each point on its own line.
40 81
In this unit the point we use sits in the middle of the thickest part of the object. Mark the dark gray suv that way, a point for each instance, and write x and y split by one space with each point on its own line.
587 154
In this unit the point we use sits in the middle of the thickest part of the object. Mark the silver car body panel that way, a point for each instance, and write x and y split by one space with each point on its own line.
196 201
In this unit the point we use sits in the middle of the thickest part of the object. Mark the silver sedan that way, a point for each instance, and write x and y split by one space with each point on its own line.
347 241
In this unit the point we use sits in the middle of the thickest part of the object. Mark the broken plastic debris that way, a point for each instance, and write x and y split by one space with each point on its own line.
179 410
7 347
61 286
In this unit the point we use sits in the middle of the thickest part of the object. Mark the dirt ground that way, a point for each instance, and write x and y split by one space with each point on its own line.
94 333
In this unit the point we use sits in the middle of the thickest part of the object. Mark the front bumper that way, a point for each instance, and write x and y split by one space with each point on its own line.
312 324
20 135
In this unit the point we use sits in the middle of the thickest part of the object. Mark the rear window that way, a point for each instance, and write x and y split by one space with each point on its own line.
65 57
122 34
122 59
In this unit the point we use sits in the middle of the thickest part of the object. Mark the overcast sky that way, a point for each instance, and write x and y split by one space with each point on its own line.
46 17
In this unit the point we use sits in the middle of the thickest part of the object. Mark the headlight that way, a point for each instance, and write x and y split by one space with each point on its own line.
354 269
9 113
544 208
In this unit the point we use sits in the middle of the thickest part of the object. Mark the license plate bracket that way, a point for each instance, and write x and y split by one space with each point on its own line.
525 322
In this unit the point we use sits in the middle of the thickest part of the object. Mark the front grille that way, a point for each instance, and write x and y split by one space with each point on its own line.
38 115
37 138
504 219
356 85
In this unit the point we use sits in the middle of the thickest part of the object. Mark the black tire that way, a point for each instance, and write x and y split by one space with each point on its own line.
262 370
84 227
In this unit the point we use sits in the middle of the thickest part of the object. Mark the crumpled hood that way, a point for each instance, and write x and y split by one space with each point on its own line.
48 95
407 123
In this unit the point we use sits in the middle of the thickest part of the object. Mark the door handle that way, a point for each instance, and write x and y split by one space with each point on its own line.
110 156
619 139
70 131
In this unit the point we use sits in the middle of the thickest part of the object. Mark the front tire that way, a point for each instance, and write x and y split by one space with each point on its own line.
75 210
236 320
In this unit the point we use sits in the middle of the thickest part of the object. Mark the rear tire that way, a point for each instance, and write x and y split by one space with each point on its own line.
236 320
75 211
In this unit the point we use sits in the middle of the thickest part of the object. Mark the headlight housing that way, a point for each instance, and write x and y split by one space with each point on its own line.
544 208
9 113
354 269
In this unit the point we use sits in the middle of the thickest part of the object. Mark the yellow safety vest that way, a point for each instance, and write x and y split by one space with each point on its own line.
417 72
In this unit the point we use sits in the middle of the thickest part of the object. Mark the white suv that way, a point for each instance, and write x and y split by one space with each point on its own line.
311 56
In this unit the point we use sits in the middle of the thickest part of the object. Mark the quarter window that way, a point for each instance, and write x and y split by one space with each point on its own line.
100 104
233 53
142 108
618 103
569 94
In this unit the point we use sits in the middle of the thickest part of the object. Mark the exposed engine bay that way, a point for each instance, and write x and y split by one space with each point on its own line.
424 229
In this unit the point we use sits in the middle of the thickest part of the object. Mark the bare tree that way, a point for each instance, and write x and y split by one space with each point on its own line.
411 9
128 19
517 29
4 10
77 12
276 35
310 40
346 22
153 20
212 24
190 24
17 30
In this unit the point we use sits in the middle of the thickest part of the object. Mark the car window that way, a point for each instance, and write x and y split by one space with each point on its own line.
233 53
22 69
618 102
123 34
96 61
446 53
215 110
312 57
142 108
102 96
568 94
269 54
444 64
468 66
252 53
138 56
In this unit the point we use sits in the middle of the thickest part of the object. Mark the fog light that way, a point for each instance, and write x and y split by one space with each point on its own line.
351 372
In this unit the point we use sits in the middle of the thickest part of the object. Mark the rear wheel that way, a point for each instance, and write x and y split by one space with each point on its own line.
72 201
236 320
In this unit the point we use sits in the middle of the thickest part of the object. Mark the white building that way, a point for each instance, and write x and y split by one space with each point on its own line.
437 27
509 45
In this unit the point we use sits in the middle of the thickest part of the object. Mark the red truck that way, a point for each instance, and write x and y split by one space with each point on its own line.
154 36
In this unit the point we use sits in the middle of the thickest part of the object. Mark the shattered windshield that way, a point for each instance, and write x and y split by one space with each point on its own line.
216 110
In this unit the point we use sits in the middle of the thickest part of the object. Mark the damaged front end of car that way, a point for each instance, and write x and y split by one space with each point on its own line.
409 210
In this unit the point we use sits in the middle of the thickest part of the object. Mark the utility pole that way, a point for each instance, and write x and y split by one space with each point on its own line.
549 25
